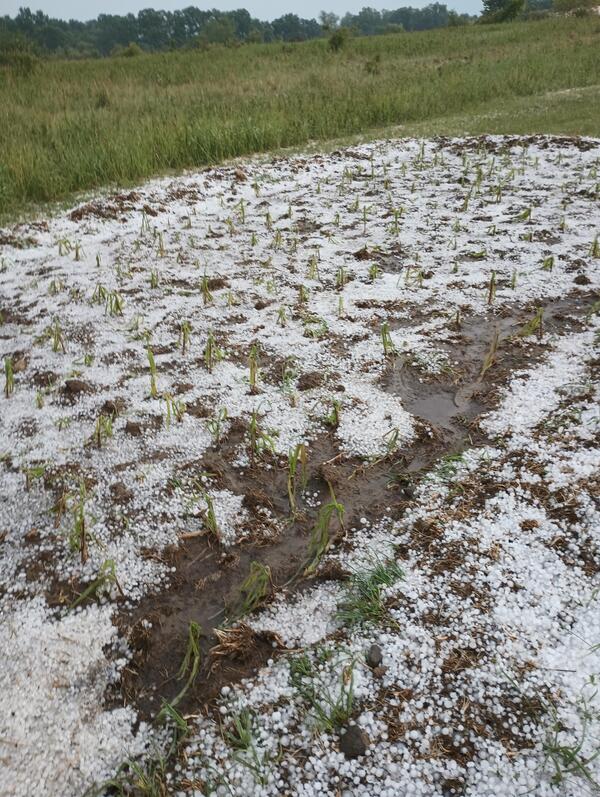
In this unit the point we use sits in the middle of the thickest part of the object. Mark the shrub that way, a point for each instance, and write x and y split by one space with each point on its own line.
131 51
338 39
16 54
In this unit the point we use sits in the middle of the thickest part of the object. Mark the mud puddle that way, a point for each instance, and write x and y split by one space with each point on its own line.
206 585
483 354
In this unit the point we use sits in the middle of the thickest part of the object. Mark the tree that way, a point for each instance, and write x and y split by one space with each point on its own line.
501 10
219 30
328 20
566 6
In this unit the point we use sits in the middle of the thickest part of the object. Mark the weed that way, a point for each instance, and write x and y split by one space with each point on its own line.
313 268
168 711
492 289
174 408
447 467
331 708
389 349
525 215
152 366
100 294
390 439
32 473
114 304
103 430
207 296
364 601
64 247
256 587
374 272
107 575
58 342
548 263
568 758
534 325
297 456
319 538
241 738
212 353
9 377
215 425
56 286
189 666
78 536
333 418
253 366
185 332
490 357
303 295
210 517
315 327
260 441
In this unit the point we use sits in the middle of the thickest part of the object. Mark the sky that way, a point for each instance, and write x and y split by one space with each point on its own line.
263 9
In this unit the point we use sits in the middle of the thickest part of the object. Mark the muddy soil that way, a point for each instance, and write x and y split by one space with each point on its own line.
206 584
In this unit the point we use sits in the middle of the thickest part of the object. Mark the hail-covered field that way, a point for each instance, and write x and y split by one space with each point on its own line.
300 479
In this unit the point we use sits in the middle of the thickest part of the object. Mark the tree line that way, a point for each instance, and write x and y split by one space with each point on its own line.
153 31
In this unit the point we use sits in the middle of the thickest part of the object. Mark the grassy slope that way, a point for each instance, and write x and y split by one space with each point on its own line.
73 126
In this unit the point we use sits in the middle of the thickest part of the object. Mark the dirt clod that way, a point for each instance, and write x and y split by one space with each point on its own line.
354 742
374 656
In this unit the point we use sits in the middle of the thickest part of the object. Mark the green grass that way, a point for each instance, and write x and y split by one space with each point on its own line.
75 125
363 602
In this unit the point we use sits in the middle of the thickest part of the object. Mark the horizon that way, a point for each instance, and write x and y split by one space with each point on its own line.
260 9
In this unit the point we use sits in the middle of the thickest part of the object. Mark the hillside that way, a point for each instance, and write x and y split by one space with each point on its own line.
75 126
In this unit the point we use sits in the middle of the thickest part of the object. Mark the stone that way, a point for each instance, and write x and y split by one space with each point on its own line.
374 656
354 742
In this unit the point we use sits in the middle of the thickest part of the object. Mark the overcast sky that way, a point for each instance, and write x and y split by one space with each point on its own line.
263 9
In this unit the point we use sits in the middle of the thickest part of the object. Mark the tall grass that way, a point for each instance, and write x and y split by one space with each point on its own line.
76 125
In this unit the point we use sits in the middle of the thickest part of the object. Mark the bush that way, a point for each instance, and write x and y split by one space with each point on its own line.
506 13
17 54
131 51
21 63
338 39
576 8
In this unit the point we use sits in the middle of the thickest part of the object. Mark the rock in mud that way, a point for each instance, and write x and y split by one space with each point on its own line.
354 742
374 656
